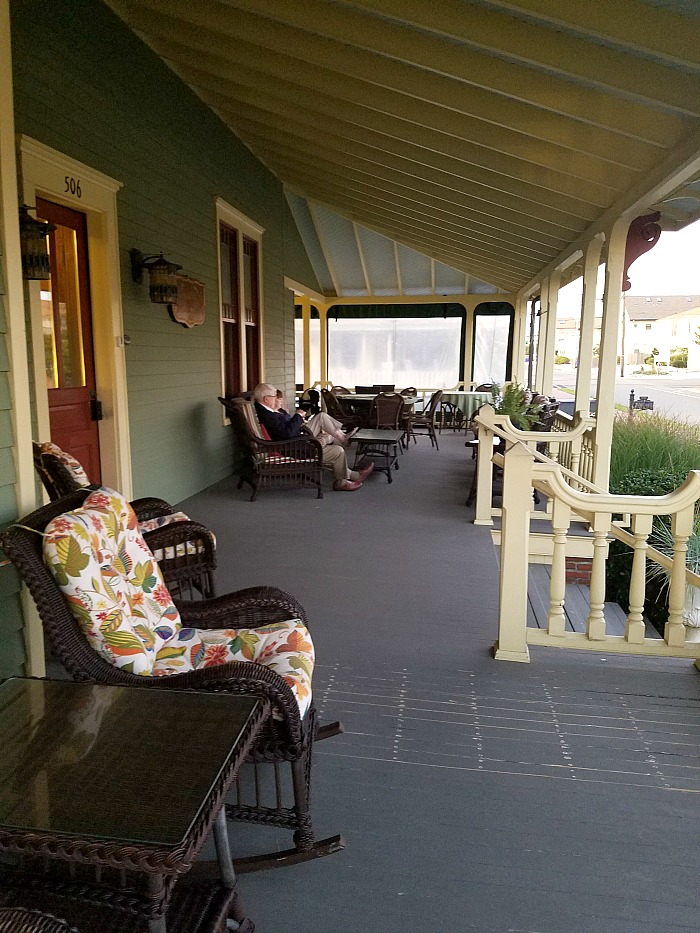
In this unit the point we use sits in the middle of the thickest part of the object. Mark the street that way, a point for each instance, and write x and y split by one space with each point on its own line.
675 395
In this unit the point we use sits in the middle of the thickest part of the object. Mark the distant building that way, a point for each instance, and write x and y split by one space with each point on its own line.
663 322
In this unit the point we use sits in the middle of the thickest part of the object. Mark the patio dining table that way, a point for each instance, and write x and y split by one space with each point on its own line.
467 402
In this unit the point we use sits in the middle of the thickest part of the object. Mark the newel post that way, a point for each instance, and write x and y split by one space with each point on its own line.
515 533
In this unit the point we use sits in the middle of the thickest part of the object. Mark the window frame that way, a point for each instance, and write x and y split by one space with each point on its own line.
246 228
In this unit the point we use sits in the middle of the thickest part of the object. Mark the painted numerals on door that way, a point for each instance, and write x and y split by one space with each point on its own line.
73 186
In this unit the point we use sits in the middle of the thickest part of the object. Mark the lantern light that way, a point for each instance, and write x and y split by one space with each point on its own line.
162 276
34 247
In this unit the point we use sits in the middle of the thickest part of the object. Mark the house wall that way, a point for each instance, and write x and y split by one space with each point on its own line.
12 654
88 87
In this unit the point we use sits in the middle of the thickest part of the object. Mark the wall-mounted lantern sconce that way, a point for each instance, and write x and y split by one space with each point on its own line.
33 245
161 273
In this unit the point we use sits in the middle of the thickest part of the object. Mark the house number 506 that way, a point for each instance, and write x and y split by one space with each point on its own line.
73 185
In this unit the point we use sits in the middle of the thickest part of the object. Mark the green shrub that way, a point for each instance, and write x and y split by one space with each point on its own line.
679 357
653 443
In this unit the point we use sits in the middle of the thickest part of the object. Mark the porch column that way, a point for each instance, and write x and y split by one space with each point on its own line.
306 326
12 302
542 327
607 364
585 349
550 298
323 342
519 333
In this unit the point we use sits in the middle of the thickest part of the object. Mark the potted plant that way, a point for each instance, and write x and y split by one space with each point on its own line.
516 401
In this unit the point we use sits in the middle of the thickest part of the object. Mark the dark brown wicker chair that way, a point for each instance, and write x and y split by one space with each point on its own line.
386 411
186 553
263 463
337 410
23 920
424 421
288 738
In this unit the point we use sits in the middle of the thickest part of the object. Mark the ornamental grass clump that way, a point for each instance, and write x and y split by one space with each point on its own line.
651 456
651 442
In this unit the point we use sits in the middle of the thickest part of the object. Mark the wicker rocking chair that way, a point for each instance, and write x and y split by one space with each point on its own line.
187 555
67 543
276 464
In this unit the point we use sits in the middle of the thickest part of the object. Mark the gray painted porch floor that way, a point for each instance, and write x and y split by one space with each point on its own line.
474 795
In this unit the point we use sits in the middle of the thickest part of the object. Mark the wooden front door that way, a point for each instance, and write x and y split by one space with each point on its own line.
67 331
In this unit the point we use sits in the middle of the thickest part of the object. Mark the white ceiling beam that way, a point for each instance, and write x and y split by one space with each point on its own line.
613 163
536 201
324 247
363 263
397 263
504 37
512 225
664 34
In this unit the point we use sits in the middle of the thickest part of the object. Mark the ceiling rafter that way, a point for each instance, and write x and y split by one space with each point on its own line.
324 247
494 136
397 263
505 37
514 226
489 183
361 253
609 164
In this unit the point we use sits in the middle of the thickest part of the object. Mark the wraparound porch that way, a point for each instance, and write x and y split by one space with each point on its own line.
473 795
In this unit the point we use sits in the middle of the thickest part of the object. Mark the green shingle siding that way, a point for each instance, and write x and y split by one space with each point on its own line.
104 98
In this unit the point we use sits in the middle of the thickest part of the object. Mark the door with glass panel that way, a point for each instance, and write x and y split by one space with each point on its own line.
67 332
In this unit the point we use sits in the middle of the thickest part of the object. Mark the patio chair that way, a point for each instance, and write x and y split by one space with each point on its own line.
340 390
386 411
187 557
337 410
424 421
272 464
110 619
24 920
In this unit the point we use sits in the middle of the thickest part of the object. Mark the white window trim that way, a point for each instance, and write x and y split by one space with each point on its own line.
246 227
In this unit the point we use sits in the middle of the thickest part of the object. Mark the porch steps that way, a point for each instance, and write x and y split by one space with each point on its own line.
576 605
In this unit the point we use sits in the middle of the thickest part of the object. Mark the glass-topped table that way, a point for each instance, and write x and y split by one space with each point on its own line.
123 777
379 444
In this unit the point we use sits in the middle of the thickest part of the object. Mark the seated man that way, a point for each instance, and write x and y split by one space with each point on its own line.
282 426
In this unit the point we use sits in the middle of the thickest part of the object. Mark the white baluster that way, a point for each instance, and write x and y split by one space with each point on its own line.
641 528
596 615
561 519
681 526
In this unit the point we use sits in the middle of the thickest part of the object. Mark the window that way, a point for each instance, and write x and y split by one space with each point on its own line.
403 351
493 341
240 300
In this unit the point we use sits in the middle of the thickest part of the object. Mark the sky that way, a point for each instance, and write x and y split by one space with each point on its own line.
671 267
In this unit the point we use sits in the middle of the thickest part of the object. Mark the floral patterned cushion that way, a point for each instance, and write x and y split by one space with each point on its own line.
116 592
68 461
285 647
190 547
113 584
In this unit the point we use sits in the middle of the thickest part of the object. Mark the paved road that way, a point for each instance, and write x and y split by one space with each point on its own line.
677 395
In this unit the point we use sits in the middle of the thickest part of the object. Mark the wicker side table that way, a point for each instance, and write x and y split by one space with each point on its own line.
122 783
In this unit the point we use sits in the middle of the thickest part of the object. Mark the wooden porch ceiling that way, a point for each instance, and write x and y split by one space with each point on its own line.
488 135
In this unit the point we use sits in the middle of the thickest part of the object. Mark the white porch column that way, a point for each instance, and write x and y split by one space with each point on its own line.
542 326
306 326
519 334
548 339
585 350
607 365
323 342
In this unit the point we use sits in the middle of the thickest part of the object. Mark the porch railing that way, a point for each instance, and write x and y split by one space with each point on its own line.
626 518
570 443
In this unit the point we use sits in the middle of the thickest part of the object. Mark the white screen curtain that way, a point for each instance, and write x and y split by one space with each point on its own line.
421 352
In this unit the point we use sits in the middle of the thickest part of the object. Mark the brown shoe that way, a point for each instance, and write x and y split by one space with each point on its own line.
364 473
346 485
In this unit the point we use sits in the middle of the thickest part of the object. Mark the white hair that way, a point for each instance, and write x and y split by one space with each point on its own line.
263 389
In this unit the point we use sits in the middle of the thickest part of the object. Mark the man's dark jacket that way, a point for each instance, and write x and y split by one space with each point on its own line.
280 425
